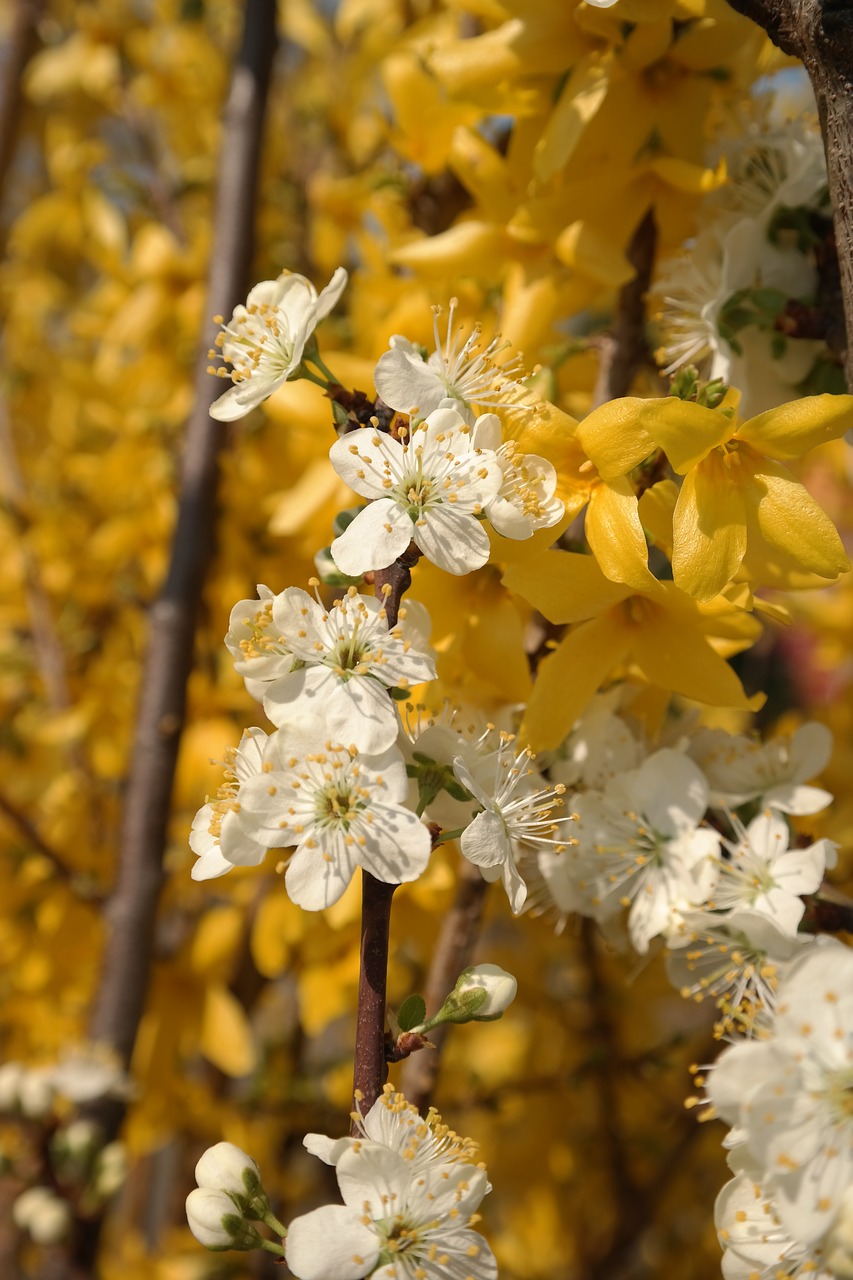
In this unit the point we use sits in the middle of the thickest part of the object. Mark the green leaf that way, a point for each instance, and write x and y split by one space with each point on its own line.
412 1012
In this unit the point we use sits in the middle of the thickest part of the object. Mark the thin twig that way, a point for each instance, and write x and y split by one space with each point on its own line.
49 653
625 348
21 44
453 953
33 837
370 1068
173 617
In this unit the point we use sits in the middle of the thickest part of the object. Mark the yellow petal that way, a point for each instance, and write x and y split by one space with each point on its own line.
565 586
465 249
708 530
226 1035
799 425
583 246
789 519
685 431
614 438
679 658
657 506
568 678
615 535
580 100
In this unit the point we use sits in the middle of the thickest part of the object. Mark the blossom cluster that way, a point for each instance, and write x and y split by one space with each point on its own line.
787 1095
691 839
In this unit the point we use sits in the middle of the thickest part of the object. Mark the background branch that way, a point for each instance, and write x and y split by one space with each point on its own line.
127 958
452 954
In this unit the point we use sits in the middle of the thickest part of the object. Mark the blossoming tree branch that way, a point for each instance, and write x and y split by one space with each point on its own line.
552 682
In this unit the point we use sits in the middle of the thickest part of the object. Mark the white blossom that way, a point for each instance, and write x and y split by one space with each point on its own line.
42 1214
789 1096
525 501
428 488
763 873
217 837
521 813
347 660
741 769
259 652
395 1123
456 374
341 809
409 1201
642 845
755 1244
736 958
265 340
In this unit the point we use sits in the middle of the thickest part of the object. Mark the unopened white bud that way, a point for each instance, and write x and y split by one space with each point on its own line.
110 1170
40 1212
11 1075
35 1095
225 1167
839 1242
217 1223
498 987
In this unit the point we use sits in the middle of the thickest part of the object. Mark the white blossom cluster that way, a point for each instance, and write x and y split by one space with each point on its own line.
690 840
788 1095
719 297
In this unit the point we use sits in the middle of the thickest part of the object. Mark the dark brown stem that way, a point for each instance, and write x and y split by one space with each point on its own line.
625 349
452 954
172 622
370 1070
20 45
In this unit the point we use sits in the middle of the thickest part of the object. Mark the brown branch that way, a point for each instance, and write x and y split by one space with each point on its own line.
21 45
452 954
370 1069
49 653
625 348
132 910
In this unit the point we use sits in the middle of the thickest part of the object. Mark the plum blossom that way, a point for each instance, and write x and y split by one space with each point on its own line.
521 814
642 846
252 639
789 1095
217 837
456 375
525 501
408 1206
763 873
341 809
741 769
264 341
736 958
755 1244
346 660
429 488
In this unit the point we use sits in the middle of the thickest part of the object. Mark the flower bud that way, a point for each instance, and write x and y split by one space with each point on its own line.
110 1170
225 1167
35 1094
487 990
40 1212
481 994
217 1223
11 1075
